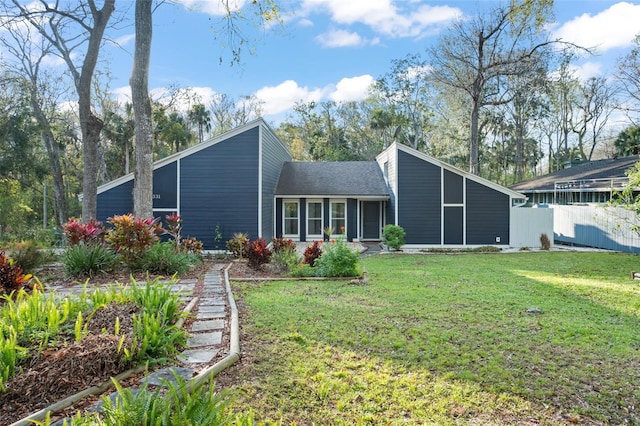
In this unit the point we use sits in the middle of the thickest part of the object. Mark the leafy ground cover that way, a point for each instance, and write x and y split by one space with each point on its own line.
522 338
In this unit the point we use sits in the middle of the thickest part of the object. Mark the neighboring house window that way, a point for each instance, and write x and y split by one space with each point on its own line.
338 217
291 218
314 218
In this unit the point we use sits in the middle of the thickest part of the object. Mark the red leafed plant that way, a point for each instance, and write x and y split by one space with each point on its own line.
174 228
282 243
11 276
258 253
312 252
132 236
77 232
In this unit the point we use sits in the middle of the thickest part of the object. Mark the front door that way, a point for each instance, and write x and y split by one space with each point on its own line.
371 220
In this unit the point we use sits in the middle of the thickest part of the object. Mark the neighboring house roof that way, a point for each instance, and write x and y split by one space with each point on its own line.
597 174
337 178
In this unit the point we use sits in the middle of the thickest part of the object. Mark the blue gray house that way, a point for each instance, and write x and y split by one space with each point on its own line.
245 181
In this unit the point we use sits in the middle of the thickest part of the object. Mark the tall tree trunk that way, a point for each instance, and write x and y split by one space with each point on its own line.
90 124
143 174
59 196
474 153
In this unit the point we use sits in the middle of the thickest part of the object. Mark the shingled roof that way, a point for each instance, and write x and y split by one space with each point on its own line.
338 178
591 171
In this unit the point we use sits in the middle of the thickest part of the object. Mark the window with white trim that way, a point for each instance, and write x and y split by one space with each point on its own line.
338 217
314 219
290 218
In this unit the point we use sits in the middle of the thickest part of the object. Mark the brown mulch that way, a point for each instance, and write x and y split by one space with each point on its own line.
70 367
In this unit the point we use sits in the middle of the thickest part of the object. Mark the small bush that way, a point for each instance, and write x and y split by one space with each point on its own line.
191 245
393 236
162 259
338 260
302 270
11 276
285 259
258 253
545 243
238 244
312 253
28 256
282 244
77 232
131 237
88 260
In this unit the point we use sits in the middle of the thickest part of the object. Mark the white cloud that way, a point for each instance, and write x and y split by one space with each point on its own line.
352 89
586 70
212 7
281 98
124 40
340 38
384 16
612 28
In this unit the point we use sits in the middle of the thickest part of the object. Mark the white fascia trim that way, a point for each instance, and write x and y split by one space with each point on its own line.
458 171
189 151
260 181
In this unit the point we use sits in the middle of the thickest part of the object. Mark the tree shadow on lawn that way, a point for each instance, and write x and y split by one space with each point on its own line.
466 336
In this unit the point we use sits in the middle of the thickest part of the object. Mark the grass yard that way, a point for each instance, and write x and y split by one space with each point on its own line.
447 339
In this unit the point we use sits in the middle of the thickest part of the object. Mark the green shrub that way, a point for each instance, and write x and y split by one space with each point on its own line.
258 253
238 244
163 259
88 260
393 236
131 237
302 270
11 276
312 253
28 256
338 260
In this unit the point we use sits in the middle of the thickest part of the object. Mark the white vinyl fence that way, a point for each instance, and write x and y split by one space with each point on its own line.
528 224
596 226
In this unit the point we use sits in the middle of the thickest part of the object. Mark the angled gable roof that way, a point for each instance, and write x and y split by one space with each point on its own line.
259 122
425 157
337 178
593 170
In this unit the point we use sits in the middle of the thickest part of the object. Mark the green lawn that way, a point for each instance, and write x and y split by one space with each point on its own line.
447 339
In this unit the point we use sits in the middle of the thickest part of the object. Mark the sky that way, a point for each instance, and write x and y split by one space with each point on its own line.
334 49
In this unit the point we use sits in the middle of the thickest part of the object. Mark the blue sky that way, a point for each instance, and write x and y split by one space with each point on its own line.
333 49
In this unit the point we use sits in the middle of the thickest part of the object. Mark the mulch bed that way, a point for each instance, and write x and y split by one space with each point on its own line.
70 367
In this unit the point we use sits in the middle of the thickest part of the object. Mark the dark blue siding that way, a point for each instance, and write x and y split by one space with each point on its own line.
219 187
419 199
453 230
452 188
165 187
117 200
487 215
274 154
352 218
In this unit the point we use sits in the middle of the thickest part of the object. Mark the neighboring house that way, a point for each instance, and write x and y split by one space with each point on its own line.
245 181
591 182
579 197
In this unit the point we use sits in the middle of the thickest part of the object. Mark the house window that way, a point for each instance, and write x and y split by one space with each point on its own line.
338 217
290 218
314 218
